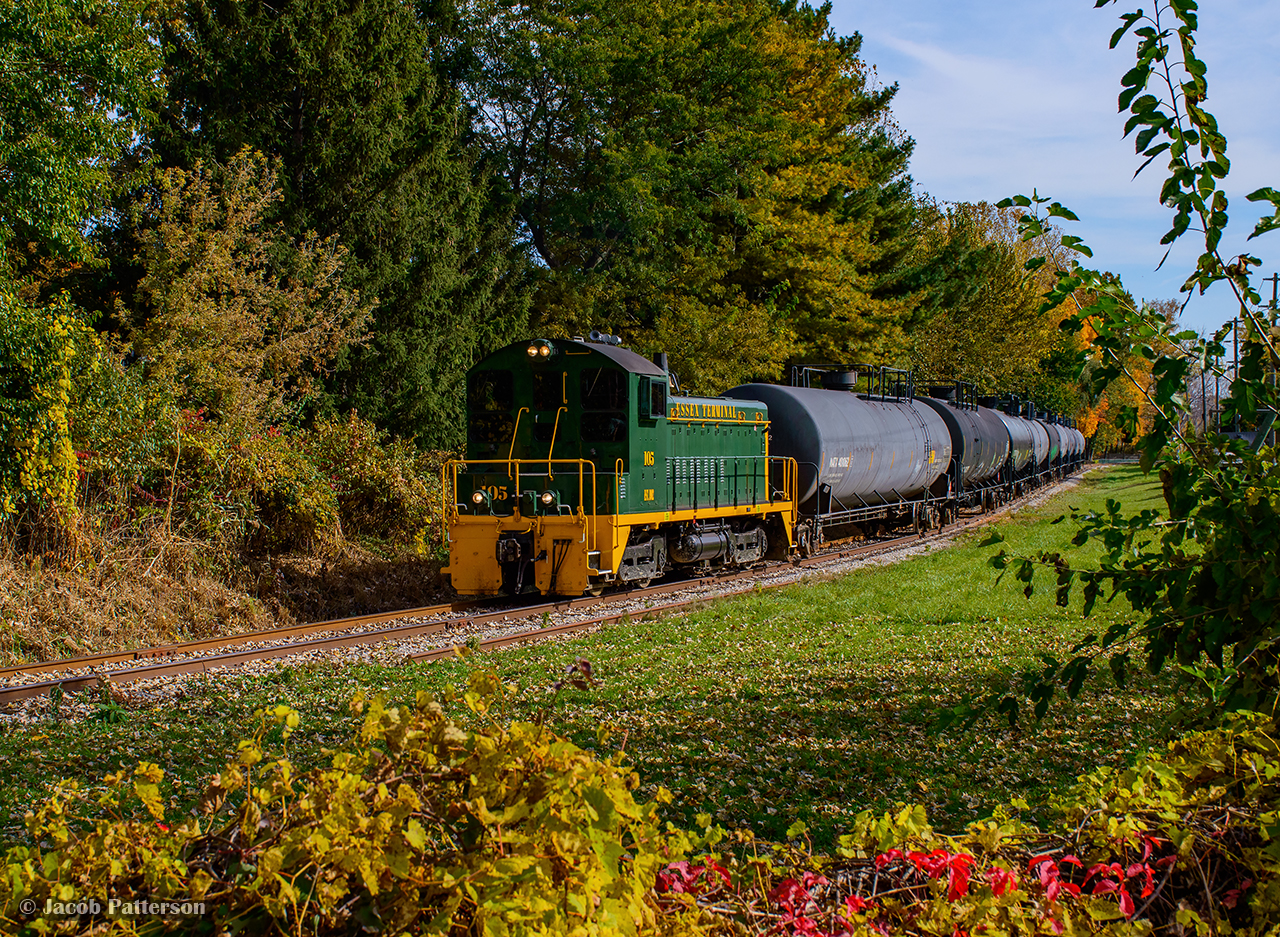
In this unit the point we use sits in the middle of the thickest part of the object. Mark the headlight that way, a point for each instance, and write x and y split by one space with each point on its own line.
477 498
544 350
533 351
548 498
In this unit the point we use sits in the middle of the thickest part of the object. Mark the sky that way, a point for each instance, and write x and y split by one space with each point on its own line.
1006 96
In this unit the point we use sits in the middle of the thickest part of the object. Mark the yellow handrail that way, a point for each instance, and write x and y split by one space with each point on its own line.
555 429
453 465
617 494
446 508
511 451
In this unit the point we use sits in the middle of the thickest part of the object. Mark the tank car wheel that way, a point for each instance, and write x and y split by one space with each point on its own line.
804 540
920 516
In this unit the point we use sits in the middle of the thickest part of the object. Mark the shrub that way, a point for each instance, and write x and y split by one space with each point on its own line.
387 490
1183 840
256 493
123 426
423 828
37 462
426 828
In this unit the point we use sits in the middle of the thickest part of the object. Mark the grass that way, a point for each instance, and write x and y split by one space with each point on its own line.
810 702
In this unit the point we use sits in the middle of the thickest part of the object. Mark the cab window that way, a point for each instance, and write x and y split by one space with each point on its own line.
657 399
604 389
491 427
490 392
548 390
608 426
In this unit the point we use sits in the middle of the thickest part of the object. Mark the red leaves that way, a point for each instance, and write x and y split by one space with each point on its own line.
795 900
1108 878
856 904
1002 880
934 864
681 878
1232 897
1050 874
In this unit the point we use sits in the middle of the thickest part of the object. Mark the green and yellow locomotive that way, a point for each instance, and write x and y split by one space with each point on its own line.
583 468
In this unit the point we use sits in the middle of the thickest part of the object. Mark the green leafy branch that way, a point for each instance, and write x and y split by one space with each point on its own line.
1204 577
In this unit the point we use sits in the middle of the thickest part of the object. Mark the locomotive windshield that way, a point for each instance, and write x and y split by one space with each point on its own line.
604 400
548 391
490 397
604 389
490 391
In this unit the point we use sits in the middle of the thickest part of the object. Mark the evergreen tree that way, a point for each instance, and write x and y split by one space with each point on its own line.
718 178
353 98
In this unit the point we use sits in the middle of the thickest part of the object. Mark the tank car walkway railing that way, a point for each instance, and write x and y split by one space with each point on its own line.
870 512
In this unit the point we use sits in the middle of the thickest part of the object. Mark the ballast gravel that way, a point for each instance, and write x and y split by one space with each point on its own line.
143 694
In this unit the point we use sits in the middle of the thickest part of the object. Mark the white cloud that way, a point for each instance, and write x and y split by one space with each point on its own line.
1003 96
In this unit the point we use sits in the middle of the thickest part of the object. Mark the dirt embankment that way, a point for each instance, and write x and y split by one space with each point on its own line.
52 607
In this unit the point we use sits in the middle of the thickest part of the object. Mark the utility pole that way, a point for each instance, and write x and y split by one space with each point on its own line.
1274 280
1204 403
1235 368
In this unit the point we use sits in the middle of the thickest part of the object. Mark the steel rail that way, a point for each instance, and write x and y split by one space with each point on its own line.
214 662
542 634
202 644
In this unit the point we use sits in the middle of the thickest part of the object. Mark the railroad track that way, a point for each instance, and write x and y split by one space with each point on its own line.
214 654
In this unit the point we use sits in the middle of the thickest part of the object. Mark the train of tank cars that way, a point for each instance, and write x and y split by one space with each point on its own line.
586 467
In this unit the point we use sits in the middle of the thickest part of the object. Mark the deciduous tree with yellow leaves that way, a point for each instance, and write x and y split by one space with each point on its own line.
239 318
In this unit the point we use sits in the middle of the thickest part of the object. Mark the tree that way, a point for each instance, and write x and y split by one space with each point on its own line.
985 324
77 78
719 178
240 317
1205 575
354 100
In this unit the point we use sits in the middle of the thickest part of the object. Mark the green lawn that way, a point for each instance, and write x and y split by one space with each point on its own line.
810 702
